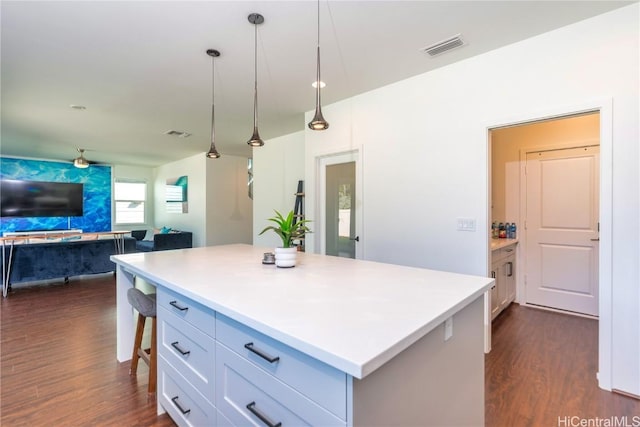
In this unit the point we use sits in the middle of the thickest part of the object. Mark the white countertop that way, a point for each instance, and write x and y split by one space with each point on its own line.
353 315
502 243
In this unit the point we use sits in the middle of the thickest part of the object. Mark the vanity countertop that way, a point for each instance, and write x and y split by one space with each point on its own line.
502 243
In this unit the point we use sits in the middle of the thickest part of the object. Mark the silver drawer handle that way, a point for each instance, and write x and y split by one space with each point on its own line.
249 346
179 406
180 349
252 408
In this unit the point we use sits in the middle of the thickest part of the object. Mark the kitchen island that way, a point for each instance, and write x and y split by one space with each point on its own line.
332 341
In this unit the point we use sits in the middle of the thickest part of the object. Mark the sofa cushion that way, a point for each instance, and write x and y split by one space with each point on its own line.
144 245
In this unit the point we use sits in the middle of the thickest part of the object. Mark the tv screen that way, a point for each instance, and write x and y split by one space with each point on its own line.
40 199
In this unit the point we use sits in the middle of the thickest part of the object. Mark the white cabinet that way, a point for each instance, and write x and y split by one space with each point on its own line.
503 269
186 359
318 381
214 371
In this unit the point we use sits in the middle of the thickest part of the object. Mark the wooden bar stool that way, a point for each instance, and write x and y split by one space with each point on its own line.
145 304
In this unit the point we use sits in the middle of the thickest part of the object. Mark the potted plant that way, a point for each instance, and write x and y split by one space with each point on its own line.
288 228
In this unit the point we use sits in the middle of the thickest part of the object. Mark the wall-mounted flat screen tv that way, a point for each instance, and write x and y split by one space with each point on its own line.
40 199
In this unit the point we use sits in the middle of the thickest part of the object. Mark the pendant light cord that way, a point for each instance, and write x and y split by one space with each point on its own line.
318 103
255 73
213 96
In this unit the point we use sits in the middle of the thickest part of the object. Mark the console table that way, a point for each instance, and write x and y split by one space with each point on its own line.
332 341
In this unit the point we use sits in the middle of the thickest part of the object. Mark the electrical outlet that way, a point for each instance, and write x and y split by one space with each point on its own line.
448 328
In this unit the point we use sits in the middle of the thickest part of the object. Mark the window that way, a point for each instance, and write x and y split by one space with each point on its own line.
130 197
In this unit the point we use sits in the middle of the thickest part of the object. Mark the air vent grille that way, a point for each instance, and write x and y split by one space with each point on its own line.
178 133
444 46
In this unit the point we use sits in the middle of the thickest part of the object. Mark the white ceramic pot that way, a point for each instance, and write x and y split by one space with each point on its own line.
286 257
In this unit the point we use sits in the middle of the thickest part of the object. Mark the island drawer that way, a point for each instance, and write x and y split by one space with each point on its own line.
187 309
184 404
318 381
247 395
188 349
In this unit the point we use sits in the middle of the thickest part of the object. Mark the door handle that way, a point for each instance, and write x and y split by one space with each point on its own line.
595 240
357 238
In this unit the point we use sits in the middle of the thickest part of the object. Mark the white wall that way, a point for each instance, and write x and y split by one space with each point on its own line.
229 211
138 173
277 167
424 157
219 210
194 168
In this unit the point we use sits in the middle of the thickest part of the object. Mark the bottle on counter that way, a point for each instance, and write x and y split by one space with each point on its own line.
494 230
502 232
512 234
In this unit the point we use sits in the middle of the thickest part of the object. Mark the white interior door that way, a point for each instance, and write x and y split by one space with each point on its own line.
340 210
562 229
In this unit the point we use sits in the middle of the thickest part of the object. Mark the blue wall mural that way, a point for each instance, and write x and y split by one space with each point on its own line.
97 194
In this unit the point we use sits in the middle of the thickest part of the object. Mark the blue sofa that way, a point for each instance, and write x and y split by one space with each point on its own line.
43 261
163 242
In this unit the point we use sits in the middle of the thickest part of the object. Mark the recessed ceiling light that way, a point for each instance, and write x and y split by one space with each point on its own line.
77 107
315 84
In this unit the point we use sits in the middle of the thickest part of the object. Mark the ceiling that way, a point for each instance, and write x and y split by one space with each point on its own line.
140 68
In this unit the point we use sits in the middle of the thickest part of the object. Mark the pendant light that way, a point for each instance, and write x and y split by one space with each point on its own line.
255 141
318 122
81 162
213 152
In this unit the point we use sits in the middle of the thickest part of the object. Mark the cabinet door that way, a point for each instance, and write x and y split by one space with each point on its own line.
510 278
502 285
495 303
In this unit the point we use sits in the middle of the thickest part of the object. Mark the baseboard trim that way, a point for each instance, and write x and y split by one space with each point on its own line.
625 393
556 310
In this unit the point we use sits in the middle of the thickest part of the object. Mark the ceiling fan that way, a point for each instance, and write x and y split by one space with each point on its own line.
80 161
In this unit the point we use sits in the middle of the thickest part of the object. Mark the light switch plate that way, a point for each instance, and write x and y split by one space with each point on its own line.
466 224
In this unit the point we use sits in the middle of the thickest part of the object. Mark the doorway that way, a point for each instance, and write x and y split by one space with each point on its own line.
545 177
339 207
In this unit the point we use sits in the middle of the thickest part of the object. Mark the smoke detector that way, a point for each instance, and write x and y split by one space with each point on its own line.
444 46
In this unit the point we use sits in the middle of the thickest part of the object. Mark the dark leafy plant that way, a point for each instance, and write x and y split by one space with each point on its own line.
288 228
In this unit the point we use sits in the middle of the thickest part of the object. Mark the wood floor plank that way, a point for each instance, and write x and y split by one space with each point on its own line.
58 365
542 369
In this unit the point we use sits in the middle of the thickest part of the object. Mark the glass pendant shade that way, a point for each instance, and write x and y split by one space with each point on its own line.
213 152
318 122
255 141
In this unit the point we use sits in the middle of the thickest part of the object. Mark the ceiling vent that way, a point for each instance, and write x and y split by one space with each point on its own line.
178 133
443 46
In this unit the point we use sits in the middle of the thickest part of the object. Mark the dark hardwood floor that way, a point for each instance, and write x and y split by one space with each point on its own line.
542 371
58 360
58 366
